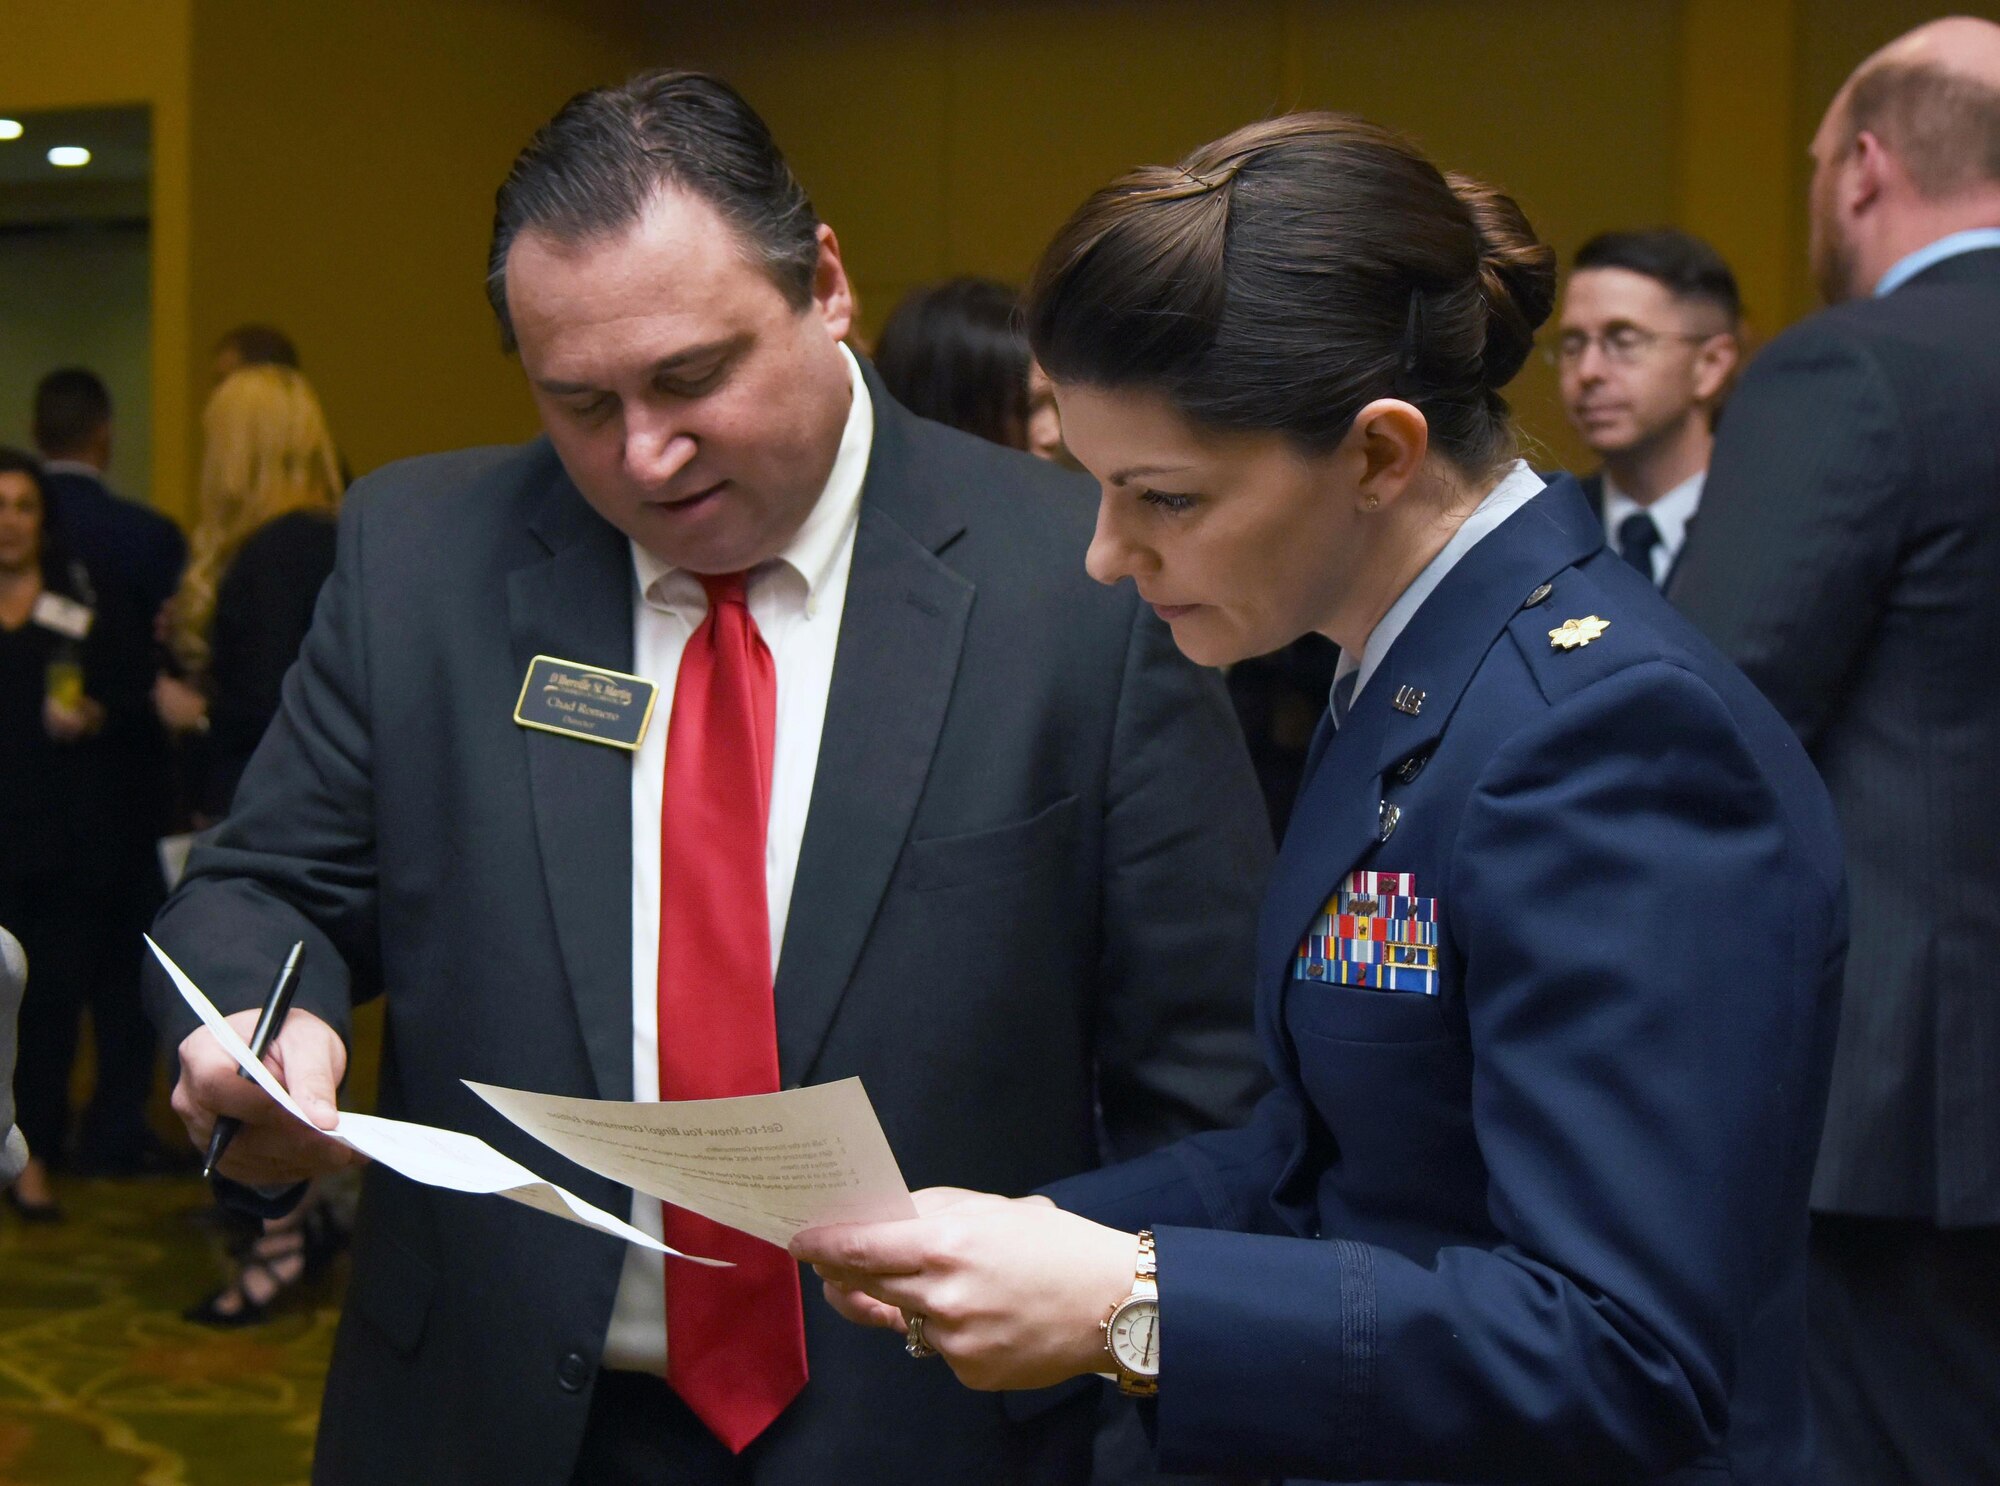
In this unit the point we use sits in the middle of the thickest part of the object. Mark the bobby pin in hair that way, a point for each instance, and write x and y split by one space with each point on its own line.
1413 336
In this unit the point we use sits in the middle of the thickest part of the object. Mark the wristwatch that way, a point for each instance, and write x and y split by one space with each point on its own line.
1132 1330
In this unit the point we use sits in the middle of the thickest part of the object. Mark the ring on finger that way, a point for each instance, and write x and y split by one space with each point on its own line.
913 1337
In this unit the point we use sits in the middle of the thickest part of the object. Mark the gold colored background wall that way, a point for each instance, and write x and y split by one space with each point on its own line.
954 137
88 53
345 158
330 166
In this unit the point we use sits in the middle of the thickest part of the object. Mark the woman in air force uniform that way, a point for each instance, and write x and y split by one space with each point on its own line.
1548 962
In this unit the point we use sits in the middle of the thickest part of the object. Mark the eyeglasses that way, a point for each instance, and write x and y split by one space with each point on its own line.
1623 345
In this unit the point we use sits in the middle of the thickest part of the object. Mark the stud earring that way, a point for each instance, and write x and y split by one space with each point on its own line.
1373 503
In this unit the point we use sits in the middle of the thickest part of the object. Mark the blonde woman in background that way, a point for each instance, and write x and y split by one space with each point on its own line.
262 547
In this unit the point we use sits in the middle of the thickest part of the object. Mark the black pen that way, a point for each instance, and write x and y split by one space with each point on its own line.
275 1006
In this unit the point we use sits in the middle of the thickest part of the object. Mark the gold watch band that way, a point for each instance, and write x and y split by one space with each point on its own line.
1145 1286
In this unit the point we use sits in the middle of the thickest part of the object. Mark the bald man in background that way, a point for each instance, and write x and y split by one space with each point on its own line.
1849 561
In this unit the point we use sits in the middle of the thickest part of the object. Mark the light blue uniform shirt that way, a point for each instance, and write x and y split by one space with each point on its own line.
1932 254
1519 486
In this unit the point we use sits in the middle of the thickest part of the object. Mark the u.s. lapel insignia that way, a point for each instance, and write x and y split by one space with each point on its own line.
1408 699
1392 816
1574 632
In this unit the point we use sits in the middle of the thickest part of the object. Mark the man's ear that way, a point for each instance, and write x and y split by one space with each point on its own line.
1387 443
1870 167
1715 363
833 296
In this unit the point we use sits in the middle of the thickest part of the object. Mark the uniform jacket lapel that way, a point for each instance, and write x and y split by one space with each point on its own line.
901 631
1334 822
576 603
1339 815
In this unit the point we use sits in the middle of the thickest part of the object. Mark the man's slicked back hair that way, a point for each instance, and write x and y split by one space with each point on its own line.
590 172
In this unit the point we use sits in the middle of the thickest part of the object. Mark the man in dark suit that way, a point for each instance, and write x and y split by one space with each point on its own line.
1650 337
1850 562
999 841
137 554
120 540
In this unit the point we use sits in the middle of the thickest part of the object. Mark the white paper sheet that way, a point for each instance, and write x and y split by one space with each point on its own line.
423 1153
767 1164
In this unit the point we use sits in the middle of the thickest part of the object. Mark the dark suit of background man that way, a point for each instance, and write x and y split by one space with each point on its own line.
1649 336
1850 562
1013 854
138 553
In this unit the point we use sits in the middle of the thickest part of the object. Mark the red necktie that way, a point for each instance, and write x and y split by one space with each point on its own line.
736 1347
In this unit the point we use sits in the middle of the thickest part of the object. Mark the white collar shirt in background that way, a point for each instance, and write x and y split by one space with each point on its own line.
1519 486
1671 515
796 599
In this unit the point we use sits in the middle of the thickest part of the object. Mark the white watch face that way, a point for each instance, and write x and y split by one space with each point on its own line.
1135 1336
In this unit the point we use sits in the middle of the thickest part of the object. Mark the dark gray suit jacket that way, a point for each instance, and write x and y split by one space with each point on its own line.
1026 893
1849 559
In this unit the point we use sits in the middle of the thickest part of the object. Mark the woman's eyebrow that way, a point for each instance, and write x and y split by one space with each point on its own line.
1126 476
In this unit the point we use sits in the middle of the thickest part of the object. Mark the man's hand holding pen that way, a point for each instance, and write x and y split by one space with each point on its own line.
272 1149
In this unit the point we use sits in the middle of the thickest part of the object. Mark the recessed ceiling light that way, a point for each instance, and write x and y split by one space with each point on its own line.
69 156
10 128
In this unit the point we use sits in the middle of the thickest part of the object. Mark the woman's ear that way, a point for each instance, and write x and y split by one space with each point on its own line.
1388 441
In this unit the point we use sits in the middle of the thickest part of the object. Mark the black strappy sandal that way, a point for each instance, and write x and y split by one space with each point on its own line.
288 1259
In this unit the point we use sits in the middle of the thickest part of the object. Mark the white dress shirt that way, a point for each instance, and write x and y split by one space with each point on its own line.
1671 514
796 600
1519 486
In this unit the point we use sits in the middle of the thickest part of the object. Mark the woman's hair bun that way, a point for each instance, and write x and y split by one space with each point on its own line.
1517 276
1289 273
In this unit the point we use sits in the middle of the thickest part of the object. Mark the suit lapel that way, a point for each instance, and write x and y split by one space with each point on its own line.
1592 486
576 604
901 630
1674 567
900 635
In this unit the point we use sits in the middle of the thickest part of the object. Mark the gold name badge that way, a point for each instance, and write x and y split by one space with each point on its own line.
587 702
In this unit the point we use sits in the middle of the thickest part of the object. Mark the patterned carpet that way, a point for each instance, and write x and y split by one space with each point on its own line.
101 1382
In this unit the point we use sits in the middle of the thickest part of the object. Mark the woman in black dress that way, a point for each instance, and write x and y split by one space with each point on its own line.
68 687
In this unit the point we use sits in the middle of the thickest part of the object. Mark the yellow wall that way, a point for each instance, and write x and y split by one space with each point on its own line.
329 165
89 53
77 296
346 157
944 138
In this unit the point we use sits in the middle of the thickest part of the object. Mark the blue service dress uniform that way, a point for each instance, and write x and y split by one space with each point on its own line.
1548 970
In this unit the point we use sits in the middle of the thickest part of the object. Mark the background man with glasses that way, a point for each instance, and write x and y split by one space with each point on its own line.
1648 342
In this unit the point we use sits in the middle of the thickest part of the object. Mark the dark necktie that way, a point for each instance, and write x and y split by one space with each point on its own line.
1343 695
1637 537
736 1350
